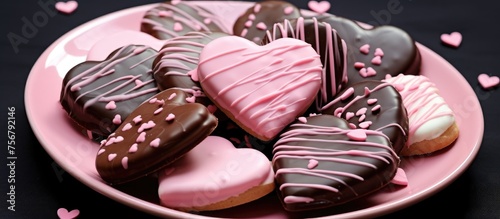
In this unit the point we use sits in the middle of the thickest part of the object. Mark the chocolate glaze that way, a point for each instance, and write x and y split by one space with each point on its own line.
401 54
327 43
168 20
387 114
254 23
178 127
98 95
318 165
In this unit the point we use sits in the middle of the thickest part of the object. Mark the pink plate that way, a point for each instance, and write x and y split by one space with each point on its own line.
70 147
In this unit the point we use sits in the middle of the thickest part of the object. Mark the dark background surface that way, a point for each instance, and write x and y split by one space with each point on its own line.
40 191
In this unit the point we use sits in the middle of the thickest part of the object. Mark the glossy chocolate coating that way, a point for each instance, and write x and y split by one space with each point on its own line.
401 54
123 79
391 118
254 23
345 170
178 127
169 20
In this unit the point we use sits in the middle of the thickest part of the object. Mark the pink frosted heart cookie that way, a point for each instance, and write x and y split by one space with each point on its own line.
431 121
214 175
262 88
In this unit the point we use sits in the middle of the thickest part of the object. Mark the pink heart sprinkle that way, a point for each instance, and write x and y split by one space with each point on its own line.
288 10
487 81
165 13
251 17
365 49
191 99
371 72
155 143
101 151
453 39
178 27
371 101
111 157
377 60
67 7
117 120
303 119
170 117
133 148
63 213
365 125
379 52
359 65
141 138
319 7
400 178
248 23
361 111
312 164
363 72
349 115
207 21
212 108
125 162
138 83
261 26
111 105
357 135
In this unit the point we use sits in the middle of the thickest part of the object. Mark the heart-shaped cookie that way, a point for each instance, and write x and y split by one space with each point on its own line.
176 18
157 133
262 88
384 49
98 95
373 105
320 162
215 175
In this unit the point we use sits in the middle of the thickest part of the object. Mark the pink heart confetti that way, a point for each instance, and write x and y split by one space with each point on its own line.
357 135
312 164
365 49
63 213
67 7
487 81
453 39
319 7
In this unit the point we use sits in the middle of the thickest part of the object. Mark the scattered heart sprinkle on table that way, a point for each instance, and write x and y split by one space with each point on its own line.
63 213
319 7
400 178
453 39
67 7
487 81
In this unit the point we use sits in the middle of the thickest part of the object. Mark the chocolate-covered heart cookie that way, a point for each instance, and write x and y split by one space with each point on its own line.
320 162
157 133
327 43
374 53
176 18
99 95
254 23
373 105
